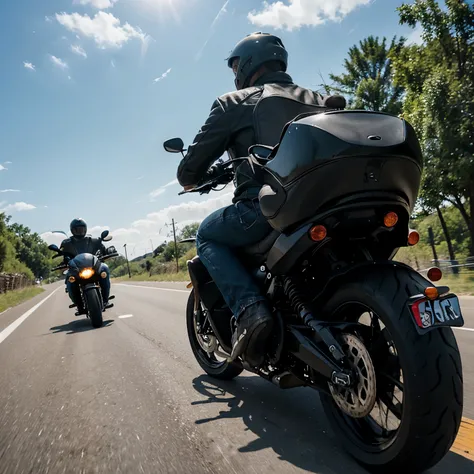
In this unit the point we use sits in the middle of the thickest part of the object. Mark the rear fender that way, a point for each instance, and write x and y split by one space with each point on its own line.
425 314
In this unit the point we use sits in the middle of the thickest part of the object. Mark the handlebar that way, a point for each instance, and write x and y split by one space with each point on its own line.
65 266
220 174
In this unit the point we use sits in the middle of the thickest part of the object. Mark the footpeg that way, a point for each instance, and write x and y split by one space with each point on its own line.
108 306
72 306
111 297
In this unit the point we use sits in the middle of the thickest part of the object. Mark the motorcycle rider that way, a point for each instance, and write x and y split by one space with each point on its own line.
259 63
81 243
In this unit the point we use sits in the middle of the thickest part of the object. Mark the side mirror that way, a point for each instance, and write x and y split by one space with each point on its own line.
174 145
53 247
104 234
261 151
108 238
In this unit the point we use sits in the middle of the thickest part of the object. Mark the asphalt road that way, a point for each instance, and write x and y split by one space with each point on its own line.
130 398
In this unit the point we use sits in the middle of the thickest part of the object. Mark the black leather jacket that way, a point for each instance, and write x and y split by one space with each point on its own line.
232 126
72 247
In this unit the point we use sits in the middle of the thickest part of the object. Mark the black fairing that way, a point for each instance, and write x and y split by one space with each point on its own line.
84 260
345 155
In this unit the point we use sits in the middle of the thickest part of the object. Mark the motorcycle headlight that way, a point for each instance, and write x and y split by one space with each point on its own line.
86 273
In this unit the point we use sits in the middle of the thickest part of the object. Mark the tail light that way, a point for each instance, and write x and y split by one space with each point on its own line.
390 219
318 233
434 274
413 237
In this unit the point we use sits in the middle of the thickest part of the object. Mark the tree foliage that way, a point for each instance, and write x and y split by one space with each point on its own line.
22 251
438 77
368 78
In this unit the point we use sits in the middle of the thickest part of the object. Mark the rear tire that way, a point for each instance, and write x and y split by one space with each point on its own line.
218 370
94 308
432 379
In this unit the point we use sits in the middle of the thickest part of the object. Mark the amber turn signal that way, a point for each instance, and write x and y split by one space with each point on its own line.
413 237
318 233
189 285
431 293
390 219
71 279
434 274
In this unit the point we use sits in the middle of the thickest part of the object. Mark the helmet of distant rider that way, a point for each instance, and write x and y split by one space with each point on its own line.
78 228
252 52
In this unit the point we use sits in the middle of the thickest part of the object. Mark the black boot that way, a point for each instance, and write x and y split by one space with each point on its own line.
253 329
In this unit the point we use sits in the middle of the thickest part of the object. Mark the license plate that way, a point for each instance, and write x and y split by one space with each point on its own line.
445 312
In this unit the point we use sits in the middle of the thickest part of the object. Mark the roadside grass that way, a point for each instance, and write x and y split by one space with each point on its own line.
462 284
15 297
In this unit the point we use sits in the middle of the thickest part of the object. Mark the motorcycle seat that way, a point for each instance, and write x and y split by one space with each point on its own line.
259 250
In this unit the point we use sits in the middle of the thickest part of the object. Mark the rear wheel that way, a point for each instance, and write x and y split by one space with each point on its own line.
407 419
94 308
204 348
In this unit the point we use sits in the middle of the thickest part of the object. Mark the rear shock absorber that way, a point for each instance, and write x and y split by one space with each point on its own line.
304 313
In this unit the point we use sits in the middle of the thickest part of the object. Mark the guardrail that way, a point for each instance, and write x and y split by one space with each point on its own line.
13 281
453 266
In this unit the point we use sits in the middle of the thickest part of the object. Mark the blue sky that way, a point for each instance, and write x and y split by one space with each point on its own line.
91 89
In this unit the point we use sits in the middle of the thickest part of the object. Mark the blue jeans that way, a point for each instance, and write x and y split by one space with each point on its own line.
104 283
222 232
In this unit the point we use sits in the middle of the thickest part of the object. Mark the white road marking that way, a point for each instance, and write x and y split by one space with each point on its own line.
152 288
9 329
465 329
125 316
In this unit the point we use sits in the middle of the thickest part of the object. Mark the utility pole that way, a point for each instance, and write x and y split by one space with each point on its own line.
128 264
175 247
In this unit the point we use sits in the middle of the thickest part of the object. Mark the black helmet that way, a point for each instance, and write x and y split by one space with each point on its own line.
253 51
78 228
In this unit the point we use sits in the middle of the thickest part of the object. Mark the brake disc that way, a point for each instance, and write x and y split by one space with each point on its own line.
357 401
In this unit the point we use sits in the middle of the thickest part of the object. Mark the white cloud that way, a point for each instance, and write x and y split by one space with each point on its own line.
58 62
112 63
162 189
293 14
99 4
28 65
9 190
415 36
18 207
104 28
8 162
157 192
2 168
48 19
153 226
75 48
159 78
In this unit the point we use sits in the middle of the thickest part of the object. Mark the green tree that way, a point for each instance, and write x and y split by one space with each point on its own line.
368 79
31 250
189 231
9 262
439 81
